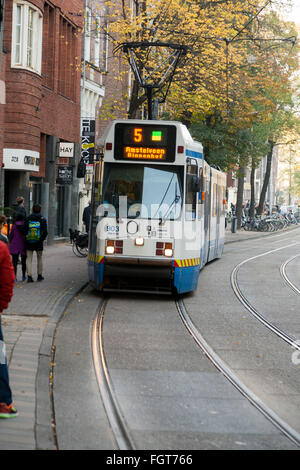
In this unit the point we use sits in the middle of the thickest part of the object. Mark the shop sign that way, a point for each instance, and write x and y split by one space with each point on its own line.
66 149
64 175
21 159
88 140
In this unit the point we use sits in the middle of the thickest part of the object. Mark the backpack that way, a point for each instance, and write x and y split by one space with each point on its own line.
34 231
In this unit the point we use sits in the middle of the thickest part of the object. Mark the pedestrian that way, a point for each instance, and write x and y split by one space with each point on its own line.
7 280
86 216
233 209
20 207
35 230
17 245
2 222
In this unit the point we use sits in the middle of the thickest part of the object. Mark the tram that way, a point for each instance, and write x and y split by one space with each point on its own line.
158 209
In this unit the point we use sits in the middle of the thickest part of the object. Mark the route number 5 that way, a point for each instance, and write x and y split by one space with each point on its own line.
138 134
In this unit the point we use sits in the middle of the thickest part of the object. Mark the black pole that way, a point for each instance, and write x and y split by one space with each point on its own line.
149 98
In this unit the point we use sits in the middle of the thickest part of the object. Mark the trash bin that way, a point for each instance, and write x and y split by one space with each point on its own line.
233 224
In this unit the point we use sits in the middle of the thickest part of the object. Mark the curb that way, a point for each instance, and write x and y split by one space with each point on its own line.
44 426
258 235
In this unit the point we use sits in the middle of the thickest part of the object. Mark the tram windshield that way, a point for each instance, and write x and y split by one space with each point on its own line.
142 191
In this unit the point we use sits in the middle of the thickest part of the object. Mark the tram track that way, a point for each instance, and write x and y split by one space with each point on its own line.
284 427
254 311
285 277
113 411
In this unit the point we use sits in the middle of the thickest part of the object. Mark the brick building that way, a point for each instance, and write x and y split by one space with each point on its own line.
41 71
103 87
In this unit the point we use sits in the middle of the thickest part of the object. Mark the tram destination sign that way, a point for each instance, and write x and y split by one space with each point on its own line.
146 142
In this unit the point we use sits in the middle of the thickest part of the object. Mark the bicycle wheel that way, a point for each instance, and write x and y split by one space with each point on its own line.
83 251
75 250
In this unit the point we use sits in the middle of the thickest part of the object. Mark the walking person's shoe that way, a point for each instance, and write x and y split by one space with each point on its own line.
8 411
24 278
29 279
40 277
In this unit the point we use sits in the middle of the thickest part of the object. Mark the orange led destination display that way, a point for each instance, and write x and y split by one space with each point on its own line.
144 153
152 142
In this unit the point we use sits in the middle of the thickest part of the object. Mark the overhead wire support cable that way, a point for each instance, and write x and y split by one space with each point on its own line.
132 48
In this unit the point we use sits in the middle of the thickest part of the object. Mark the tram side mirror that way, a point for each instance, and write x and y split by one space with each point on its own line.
195 184
81 169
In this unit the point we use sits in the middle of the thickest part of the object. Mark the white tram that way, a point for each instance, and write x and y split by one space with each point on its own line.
157 209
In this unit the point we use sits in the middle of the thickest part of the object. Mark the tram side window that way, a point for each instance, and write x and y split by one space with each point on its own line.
190 194
224 200
97 181
219 204
202 189
214 208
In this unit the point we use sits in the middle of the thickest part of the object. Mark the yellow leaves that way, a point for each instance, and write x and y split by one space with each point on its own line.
215 73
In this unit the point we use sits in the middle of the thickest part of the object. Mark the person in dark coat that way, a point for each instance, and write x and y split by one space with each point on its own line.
20 208
86 216
17 245
36 231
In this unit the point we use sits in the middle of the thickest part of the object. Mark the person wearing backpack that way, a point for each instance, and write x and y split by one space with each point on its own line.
35 230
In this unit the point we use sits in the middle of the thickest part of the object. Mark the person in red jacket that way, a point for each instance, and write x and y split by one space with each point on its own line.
7 281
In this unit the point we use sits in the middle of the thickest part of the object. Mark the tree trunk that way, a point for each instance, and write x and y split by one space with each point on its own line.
240 196
266 180
252 183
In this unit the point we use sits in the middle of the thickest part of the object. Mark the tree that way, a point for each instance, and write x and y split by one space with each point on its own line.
233 88
199 83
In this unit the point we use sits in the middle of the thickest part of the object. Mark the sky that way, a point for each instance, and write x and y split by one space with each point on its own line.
294 15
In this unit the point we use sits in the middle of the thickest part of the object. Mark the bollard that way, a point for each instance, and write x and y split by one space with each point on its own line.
233 224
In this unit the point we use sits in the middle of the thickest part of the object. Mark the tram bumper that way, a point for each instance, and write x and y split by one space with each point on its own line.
136 274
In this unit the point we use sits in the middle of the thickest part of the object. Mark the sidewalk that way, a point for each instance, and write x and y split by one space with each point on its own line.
248 235
29 326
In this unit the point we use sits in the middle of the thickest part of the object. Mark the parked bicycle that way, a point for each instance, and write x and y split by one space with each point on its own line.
269 223
79 242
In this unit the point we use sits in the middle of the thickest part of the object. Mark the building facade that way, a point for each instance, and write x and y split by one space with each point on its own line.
104 87
94 66
41 109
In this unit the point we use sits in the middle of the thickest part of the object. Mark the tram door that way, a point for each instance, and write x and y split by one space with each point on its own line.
213 215
94 266
206 201
191 227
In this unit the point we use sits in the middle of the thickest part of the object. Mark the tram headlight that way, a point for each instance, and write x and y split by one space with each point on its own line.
114 247
110 247
139 241
164 249
168 249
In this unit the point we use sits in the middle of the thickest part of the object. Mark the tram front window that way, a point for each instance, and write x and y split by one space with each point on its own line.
144 191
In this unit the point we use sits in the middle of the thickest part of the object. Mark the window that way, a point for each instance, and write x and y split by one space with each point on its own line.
67 48
150 191
214 207
190 193
87 34
48 46
97 43
201 192
105 50
27 37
